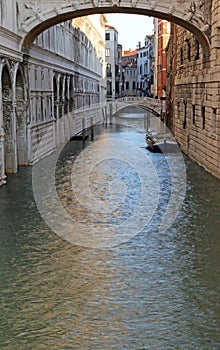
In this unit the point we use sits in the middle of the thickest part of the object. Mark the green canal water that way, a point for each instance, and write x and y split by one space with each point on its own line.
157 289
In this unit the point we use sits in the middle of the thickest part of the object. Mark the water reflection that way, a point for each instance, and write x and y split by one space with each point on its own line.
160 290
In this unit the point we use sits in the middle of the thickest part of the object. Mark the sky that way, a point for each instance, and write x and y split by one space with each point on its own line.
131 28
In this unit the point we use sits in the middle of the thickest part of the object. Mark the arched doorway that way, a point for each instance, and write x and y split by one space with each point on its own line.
21 118
8 122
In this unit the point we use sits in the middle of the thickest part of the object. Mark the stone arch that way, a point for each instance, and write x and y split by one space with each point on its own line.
8 119
36 17
21 118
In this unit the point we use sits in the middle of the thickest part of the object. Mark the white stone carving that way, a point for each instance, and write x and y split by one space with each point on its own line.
153 4
36 10
194 14
57 10
171 10
116 3
134 3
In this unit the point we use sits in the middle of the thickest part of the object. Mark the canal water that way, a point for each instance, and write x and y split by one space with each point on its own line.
106 283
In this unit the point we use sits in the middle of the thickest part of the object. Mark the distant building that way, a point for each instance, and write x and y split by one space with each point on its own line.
163 38
149 44
129 73
120 51
171 74
145 69
154 87
141 70
112 62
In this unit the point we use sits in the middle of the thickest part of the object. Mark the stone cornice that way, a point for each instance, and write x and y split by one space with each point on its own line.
12 35
10 44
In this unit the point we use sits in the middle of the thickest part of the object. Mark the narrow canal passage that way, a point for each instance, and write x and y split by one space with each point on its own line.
152 287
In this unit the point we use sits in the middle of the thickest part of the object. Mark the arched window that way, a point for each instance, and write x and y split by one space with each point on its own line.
181 55
197 50
108 70
188 50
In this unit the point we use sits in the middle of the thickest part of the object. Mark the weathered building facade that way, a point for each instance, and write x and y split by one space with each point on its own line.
163 37
61 73
145 69
112 62
129 73
141 70
193 90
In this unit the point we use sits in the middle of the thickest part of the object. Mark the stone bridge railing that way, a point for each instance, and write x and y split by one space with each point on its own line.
83 118
150 104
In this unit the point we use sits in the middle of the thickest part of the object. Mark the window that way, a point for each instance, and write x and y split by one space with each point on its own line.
214 113
218 37
193 114
185 114
197 50
127 85
108 71
188 50
107 52
134 85
109 88
181 55
178 109
107 36
203 116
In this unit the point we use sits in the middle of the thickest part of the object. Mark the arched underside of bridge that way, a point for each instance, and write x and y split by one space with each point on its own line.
138 104
35 17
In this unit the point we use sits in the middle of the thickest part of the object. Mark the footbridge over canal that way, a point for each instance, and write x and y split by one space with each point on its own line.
147 103
82 119
33 17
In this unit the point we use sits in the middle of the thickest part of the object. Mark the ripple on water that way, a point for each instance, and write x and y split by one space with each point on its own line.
159 290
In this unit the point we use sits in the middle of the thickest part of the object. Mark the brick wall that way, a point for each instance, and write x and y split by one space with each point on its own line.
194 95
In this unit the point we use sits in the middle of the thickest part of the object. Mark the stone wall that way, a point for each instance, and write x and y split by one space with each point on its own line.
61 73
193 99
